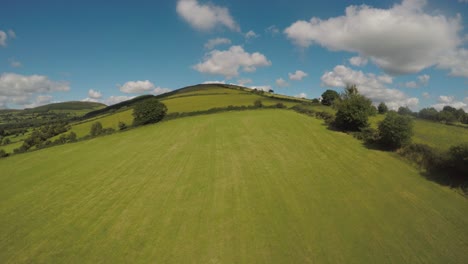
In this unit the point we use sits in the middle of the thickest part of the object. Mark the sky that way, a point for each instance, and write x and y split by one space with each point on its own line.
405 53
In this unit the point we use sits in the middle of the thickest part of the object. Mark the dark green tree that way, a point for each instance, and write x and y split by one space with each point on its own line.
382 108
96 129
3 153
258 103
353 111
329 96
395 130
149 111
122 126
404 110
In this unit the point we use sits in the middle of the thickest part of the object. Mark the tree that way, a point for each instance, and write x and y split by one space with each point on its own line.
395 130
329 96
428 113
72 136
382 108
404 111
122 126
3 153
353 111
96 129
149 111
258 103
6 141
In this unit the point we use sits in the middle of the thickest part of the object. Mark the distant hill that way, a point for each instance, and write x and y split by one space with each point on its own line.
72 105
128 103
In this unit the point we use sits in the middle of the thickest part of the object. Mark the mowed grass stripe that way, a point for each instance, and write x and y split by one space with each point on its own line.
239 187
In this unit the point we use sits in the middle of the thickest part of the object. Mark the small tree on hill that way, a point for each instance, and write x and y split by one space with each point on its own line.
404 110
353 111
329 96
149 111
382 108
258 103
395 130
96 129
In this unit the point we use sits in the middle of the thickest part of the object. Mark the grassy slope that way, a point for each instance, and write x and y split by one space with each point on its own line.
434 134
266 186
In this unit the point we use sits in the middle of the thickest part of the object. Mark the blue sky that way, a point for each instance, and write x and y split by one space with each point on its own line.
406 53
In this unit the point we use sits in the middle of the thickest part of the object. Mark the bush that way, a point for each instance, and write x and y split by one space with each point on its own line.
368 135
122 126
280 105
382 108
3 154
395 130
423 155
458 159
149 111
353 112
258 103
96 129
329 97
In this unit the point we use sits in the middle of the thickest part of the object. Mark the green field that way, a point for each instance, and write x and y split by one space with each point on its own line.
262 186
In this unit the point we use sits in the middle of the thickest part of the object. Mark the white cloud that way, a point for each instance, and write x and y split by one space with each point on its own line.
14 63
117 99
215 42
205 17
358 61
39 100
402 39
137 87
251 34
411 84
273 30
11 34
424 79
369 85
301 95
94 94
214 82
426 95
385 79
21 89
297 76
281 83
243 82
228 62
3 38
159 90
446 100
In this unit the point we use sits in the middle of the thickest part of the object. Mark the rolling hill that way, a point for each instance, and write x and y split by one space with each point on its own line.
261 186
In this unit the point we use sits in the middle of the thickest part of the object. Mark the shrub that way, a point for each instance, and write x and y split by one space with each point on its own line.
329 97
353 112
149 111
280 105
96 129
458 159
382 108
395 130
3 154
423 155
122 126
258 103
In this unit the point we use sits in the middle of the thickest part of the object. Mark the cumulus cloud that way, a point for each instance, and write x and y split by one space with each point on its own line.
94 94
114 99
215 42
39 100
424 79
358 61
21 89
402 39
446 100
243 82
297 76
11 34
3 38
370 85
426 95
281 83
251 34
137 87
160 90
214 82
205 17
228 62
301 95
265 88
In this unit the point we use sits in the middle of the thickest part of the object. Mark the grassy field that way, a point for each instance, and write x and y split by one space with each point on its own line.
263 186
434 134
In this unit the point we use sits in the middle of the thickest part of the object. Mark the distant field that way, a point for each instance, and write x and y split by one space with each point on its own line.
263 186
434 134
108 121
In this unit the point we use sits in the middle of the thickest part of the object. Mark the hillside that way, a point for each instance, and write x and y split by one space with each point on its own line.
65 106
263 186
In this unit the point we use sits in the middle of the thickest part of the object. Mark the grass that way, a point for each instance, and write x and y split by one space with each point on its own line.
108 121
434 134
263 186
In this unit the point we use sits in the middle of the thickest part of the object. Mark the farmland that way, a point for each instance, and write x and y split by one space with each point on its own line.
262 186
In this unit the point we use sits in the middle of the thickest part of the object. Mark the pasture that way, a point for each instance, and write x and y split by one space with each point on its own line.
262 186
